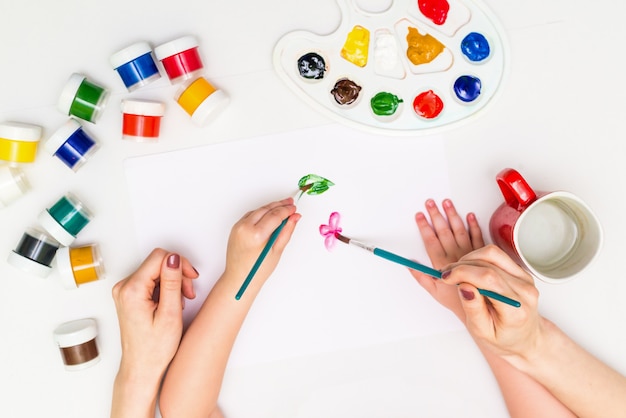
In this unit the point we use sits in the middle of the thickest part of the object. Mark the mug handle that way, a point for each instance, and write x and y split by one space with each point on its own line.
517 193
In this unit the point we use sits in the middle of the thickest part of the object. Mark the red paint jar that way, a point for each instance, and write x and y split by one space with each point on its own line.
141 119
180 59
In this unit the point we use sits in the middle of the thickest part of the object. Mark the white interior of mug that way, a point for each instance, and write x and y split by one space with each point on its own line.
557 236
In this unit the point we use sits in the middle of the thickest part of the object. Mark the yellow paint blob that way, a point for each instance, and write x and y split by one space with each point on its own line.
422 49
18 151
86 264
356 47
193 96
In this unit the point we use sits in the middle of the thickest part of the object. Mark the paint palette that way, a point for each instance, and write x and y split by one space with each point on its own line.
416 67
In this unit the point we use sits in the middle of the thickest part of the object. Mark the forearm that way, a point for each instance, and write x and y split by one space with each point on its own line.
579 380
134 396
523 395
193 381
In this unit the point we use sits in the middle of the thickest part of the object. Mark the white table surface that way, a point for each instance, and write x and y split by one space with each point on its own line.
559 121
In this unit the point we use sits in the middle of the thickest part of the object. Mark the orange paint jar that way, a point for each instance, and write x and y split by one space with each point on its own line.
79 265
201 100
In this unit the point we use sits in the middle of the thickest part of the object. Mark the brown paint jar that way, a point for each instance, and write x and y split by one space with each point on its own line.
77 343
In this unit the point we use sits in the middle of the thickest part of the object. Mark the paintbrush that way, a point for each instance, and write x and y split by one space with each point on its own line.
310 184
419 267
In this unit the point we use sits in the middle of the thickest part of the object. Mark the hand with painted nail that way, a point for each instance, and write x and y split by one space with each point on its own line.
549 360
446 239
149 309
509 332
194 378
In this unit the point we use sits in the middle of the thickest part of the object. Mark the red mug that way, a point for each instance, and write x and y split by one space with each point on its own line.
553 235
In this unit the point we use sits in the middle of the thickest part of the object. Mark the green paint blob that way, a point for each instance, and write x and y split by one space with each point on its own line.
70 214
88 100
385 104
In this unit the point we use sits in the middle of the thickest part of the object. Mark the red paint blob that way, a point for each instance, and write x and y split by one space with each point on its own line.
435 10
428 105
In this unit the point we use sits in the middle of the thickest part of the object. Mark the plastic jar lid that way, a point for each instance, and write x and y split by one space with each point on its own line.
69 92
61 135
64 268
129 54
28 265
75 333
143 107
175 47
18 131
55 229
210 107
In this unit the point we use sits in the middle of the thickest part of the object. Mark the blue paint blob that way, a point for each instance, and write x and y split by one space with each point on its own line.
475 47
467 88
137 71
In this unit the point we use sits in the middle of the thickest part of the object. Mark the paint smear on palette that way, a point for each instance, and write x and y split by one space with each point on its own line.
417 67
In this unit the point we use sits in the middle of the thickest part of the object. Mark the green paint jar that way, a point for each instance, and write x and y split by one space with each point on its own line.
82 98
65 219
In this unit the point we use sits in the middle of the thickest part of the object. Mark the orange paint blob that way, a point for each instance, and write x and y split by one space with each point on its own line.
422 49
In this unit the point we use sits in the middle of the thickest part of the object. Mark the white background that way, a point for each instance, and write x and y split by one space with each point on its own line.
558 121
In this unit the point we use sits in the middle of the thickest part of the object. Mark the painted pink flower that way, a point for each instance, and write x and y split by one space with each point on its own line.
329 231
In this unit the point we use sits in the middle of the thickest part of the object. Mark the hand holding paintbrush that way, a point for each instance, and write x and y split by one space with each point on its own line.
332 232
311 184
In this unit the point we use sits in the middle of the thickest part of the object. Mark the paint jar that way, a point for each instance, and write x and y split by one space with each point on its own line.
201 100
34 253
141 119
180 58
77 343
65 219
135 65
79 265
82 98
19 142
71 144
13 185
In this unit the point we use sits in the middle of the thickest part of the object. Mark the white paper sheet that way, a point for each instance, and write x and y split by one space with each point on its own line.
316 301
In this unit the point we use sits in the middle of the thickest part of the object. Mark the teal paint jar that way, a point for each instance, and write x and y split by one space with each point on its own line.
65 219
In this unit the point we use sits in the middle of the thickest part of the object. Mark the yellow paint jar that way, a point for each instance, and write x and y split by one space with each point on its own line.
19 141
79 265
201 100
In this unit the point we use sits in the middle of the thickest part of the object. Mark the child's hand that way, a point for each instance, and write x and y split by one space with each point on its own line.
446 241
250 234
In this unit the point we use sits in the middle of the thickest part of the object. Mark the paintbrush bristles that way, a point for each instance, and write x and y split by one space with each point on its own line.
341 238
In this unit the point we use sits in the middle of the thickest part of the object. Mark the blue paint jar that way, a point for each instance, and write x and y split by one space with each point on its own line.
71 144
135 65
467 88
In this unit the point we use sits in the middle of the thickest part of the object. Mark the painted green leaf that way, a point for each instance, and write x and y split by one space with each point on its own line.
318 184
